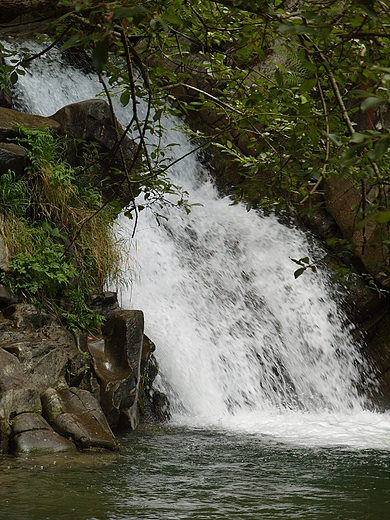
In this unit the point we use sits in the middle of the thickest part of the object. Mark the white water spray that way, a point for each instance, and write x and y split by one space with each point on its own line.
241 344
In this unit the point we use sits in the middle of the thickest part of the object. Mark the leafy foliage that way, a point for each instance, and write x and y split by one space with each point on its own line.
304 85
59 232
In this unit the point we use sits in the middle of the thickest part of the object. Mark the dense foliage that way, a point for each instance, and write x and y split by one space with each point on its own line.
58 232
304 85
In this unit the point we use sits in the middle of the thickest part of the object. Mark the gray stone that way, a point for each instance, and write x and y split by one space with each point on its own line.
75 413
47 354
32 434
17 394
12 157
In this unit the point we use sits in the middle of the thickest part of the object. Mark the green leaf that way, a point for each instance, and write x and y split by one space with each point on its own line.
73 41
360 224
380 148
383 217
99 55
172 19
137 13
298 272
125 97
333 138
308 85
358 138
279 77
371 102
14 78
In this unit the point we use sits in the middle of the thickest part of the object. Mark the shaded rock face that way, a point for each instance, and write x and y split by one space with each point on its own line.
10 9
75 413
117 364
12 157
379 355
32 434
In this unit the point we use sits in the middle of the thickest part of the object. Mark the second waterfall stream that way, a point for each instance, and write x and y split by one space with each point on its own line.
242 345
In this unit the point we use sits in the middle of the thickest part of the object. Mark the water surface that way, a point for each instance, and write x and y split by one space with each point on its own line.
172 472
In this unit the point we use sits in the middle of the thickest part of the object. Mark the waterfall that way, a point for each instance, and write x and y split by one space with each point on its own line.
241 343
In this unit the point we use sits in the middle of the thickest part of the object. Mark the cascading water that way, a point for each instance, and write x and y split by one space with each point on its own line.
241 344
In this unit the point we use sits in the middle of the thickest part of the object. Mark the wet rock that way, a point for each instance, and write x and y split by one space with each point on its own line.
75 413
117 364
32 434
160 406
154 406
12 157
378 352
5 432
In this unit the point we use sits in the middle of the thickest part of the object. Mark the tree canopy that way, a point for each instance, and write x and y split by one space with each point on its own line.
298 92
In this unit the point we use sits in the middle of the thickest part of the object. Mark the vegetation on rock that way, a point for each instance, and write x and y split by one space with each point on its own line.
58 232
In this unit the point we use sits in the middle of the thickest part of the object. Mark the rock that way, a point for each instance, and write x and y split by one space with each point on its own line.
10 9
5 98
161 407
343 200
7 297
75 413
5 432
9 118
116 362
47 352
4 255
92 122
12 157
32 434
17 394
378 352
105 303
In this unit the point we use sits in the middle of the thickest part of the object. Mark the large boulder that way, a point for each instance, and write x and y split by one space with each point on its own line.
92 121
117 364
47 353
32 434
9 118
75 413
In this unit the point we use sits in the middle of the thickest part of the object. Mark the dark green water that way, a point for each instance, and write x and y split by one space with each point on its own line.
181 473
